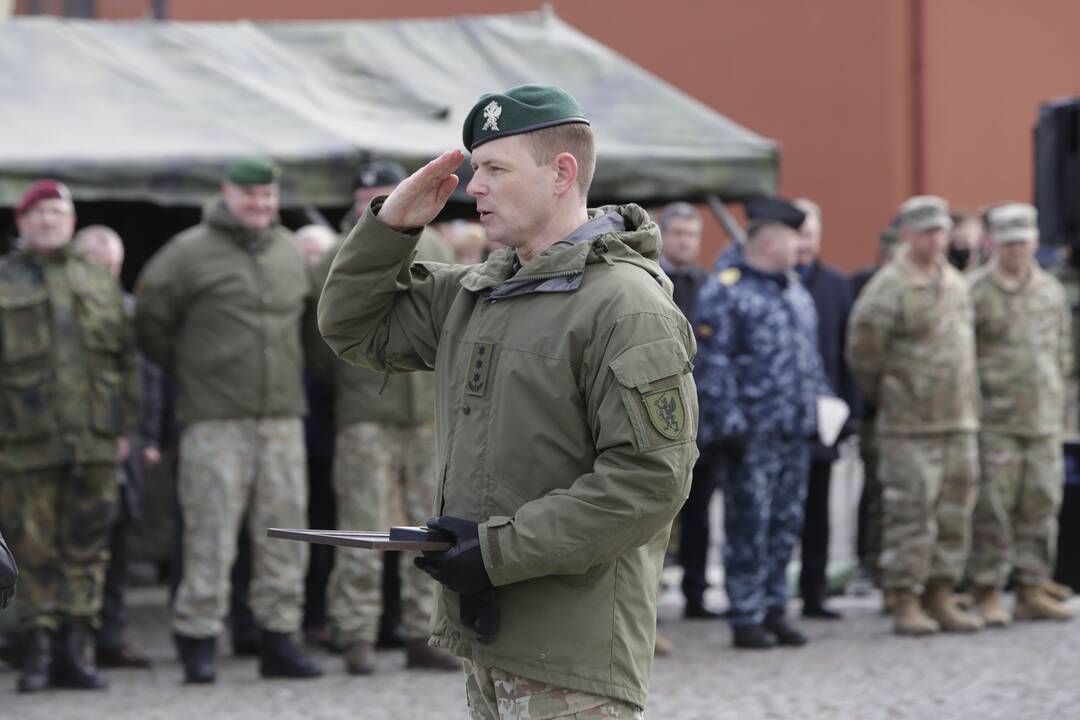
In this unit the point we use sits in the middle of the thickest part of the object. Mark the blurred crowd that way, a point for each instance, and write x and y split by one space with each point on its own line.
950 361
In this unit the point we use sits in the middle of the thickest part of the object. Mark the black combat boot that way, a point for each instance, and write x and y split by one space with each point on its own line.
73 664
198 657
752 637
785 633
280 657
37 656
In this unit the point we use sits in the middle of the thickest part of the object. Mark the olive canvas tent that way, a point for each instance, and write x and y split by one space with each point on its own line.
153 111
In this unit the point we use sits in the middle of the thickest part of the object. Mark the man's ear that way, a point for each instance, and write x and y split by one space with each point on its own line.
566 173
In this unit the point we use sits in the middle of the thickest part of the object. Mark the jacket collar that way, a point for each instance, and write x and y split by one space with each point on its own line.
215 215
623 233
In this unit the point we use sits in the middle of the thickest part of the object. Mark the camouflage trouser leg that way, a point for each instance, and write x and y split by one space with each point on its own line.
928 492
228 467
764 496
57 523
1015 520
374 464
871 499
494 694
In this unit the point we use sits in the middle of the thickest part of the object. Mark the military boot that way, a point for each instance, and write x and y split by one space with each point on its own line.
198 656
421 656
908 615
777 624
1057 590
942 605
37 656
73 665
359 657
1034 603
752 637
988 602
281 657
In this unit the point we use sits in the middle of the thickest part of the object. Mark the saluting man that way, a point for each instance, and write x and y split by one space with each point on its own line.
565 407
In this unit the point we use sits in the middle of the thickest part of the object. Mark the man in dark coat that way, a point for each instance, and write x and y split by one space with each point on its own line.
680 228
833 299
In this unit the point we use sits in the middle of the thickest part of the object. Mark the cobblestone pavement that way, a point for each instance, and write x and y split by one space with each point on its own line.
854 669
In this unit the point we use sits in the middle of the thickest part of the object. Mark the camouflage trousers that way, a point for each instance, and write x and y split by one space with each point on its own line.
870 502
1014 525
57 523
229 470
381 472
764 498
494 694
928 492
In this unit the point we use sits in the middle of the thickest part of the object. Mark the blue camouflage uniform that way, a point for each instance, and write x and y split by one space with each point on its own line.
759 374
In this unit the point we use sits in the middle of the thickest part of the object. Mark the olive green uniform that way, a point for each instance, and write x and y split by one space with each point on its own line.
384 469
911 347
68 389
1025 353
565 423
221 308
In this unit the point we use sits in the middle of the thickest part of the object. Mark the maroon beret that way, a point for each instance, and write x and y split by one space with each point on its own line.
42 190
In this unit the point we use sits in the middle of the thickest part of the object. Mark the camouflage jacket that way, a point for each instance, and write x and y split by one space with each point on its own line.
68 374
759 370
363 395
911 346
221 308
565 424
1023 338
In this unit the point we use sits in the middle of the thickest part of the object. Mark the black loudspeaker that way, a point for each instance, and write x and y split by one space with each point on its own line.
1057 171
1067 571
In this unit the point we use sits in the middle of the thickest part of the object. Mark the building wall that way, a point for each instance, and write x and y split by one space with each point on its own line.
990 64
870 101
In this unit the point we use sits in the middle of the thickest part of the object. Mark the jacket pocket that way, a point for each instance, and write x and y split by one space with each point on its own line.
25 410
25 327
105 407
102 321
655 383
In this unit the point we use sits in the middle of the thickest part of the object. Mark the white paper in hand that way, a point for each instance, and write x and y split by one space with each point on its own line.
832 413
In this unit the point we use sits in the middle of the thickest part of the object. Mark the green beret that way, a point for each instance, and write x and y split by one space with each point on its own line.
253 170
522 109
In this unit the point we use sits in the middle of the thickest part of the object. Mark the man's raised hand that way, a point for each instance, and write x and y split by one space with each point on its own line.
420 197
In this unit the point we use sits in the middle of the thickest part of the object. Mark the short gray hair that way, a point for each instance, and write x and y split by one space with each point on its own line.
679 211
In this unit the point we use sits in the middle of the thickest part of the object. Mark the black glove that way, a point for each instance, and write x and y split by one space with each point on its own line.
9 573
461 568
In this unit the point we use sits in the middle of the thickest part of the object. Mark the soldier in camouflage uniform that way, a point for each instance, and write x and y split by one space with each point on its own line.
70 394
1024 339
759 375
221 308
911 347
384 456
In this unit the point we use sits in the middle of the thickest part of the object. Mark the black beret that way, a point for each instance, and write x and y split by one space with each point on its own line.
378 174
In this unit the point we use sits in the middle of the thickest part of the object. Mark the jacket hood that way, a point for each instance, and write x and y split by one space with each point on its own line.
637 242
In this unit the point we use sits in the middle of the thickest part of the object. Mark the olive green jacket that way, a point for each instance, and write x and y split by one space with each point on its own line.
1023 335
68 375
566 415
362 395
221 307
1065 272
911 346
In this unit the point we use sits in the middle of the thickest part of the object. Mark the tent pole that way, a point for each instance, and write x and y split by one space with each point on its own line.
726 220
